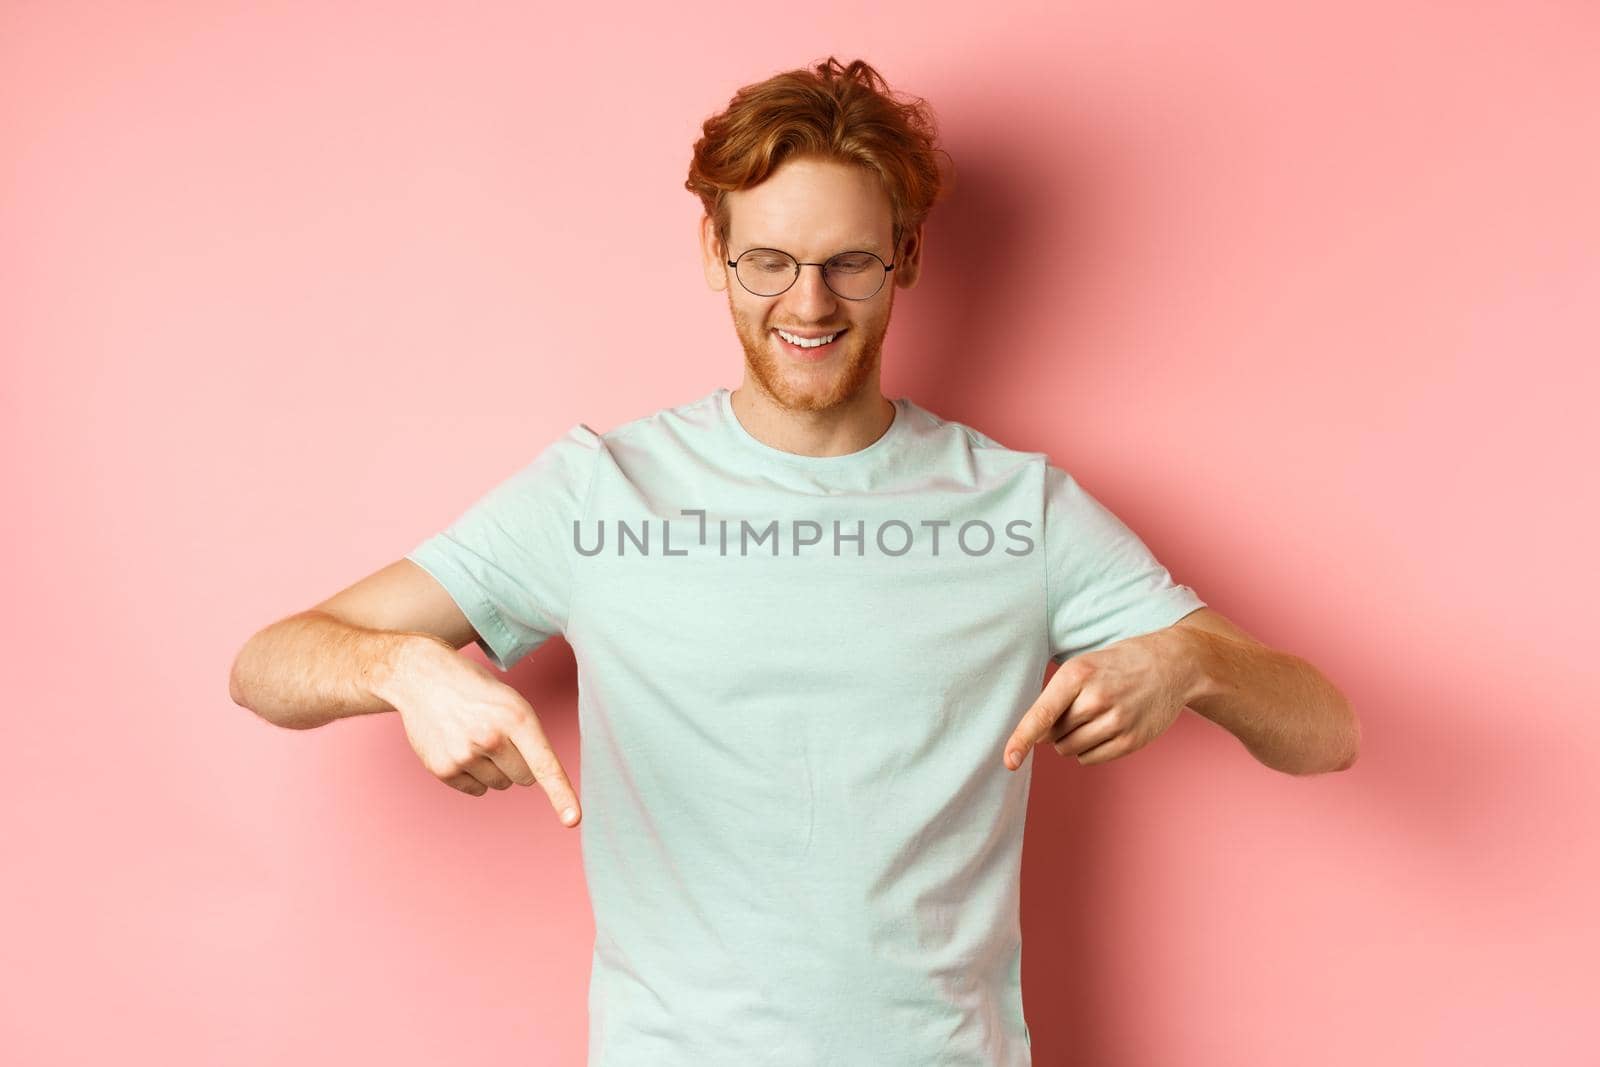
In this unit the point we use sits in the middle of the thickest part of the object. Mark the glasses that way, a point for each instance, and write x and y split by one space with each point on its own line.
851 275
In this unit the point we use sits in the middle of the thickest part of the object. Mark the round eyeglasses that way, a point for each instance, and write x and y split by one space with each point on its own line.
851 275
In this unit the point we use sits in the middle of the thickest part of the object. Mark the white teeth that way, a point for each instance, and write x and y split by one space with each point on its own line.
802 342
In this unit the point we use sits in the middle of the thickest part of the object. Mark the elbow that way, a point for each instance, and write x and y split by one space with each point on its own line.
1351 730
244 673
1350 759
242 692
235 687
1338 754
1354 731
236 691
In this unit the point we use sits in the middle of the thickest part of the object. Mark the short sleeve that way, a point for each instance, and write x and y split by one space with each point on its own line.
507 560
1102 585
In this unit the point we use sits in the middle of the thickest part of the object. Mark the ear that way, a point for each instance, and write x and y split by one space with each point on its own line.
908 267
713 255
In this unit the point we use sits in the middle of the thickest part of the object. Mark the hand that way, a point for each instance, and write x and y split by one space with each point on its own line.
1103 705
470 730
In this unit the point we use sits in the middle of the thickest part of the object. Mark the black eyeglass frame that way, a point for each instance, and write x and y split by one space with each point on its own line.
887 267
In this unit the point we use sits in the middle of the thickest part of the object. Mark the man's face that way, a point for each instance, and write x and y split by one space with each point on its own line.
811 209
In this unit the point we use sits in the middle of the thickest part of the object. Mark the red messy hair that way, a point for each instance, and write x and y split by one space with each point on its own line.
830 111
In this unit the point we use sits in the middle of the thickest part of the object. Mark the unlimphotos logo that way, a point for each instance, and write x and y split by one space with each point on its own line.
891 537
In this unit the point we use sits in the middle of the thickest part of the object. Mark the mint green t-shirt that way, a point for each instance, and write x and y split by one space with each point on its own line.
796 675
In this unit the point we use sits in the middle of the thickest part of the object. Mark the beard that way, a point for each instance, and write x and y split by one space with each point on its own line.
799 387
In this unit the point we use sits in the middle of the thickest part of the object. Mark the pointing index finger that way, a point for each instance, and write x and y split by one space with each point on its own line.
1036 722
530 740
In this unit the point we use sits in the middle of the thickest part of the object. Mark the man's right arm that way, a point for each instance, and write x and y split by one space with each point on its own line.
335 659
388 643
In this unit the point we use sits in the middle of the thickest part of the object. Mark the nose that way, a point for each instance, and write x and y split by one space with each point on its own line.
809 298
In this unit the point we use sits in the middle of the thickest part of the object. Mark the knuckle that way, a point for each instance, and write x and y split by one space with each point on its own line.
484 735
514 712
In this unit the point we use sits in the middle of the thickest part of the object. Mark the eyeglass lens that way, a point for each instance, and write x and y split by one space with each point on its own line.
852 275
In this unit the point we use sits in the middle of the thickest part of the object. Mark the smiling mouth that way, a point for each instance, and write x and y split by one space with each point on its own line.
811 351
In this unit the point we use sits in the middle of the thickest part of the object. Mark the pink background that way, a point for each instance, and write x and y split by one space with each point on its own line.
1309 299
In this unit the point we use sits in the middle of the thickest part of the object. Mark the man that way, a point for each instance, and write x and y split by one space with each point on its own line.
811 626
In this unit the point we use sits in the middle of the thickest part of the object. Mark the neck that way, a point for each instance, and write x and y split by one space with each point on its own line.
839 430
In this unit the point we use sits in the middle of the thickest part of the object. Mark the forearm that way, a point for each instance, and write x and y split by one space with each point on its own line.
1278 705
310 669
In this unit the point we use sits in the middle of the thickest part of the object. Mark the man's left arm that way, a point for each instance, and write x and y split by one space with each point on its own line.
1287 714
